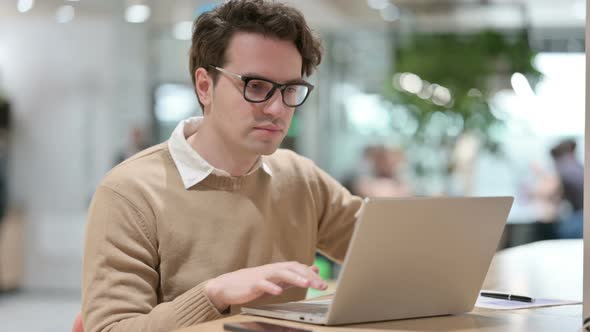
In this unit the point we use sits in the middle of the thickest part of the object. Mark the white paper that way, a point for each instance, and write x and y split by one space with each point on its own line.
499 304
493 303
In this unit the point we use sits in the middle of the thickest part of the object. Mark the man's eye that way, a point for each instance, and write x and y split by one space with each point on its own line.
255 85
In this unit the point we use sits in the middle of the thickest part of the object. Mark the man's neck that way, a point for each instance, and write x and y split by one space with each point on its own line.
218 153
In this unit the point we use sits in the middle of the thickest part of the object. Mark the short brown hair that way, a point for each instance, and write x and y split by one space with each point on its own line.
565 147
213 30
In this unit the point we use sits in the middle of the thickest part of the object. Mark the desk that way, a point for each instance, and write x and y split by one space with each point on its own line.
543 269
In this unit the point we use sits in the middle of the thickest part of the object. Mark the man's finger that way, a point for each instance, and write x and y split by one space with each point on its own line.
306 272
266 286
289 277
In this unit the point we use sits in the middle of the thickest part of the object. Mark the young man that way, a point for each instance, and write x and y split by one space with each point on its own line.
218 217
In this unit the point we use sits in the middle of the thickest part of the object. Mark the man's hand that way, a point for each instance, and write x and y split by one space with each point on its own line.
246 285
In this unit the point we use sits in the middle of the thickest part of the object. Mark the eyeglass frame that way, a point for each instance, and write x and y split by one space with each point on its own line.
275 86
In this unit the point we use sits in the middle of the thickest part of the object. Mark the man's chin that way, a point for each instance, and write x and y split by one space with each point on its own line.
269 151
264 149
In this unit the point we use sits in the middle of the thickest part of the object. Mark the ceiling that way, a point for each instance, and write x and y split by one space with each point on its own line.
424 14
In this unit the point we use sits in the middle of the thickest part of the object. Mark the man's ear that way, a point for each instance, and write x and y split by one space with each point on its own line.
203 86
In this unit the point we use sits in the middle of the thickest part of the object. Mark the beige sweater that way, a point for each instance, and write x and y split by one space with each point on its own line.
151 245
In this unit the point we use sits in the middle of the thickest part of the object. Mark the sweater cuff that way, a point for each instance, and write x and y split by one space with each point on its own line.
194 307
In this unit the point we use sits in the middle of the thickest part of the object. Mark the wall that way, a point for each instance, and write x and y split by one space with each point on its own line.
76 89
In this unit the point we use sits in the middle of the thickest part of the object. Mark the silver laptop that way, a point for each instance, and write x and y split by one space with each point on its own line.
409 258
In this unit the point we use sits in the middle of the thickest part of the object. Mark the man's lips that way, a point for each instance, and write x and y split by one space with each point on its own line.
269 128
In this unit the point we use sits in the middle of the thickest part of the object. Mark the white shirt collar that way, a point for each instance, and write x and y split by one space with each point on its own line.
191 166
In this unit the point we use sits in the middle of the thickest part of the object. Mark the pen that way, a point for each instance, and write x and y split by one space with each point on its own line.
509 297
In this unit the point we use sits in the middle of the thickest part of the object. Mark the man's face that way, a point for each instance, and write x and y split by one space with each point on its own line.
249 128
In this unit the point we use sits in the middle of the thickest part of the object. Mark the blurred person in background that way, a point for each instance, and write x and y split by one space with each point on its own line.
571 176
542 192
462 167
137 142
538 204
216 217
364 167
5 122
382 176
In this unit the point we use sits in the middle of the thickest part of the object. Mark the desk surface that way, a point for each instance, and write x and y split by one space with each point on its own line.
550 269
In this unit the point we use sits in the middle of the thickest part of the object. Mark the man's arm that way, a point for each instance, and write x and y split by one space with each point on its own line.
120 278
246 285
338 214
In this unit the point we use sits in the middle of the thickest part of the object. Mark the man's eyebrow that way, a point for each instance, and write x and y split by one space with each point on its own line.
257 76
297 80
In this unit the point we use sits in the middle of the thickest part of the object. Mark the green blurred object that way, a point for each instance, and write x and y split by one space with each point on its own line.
324 265
294 127
467 69
470 66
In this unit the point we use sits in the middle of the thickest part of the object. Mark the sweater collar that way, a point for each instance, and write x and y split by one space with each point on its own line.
193 168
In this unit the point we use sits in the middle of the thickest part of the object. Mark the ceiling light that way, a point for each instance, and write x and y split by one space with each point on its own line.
183 30
441 96
521 85
427 90
24 6
378 4
137 13
579 9
411 82
65 14
390 13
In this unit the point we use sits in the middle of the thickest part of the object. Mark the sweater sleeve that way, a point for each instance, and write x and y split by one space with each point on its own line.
338 210
120 274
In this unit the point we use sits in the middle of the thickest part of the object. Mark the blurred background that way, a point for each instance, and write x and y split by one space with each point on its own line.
413 98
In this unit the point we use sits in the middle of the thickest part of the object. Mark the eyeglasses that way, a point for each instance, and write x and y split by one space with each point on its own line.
258 90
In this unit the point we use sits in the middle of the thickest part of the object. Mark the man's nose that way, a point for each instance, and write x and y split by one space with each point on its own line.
274 105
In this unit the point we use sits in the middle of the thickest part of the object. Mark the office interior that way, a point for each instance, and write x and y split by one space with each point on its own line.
412 98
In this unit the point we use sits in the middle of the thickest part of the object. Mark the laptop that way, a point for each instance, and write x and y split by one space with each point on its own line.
408 258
